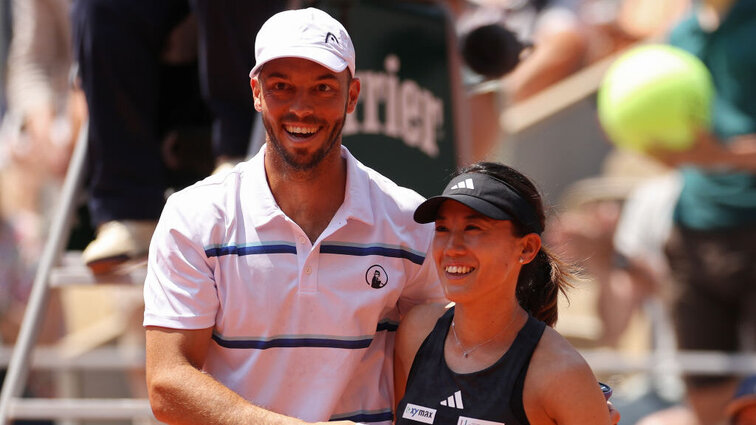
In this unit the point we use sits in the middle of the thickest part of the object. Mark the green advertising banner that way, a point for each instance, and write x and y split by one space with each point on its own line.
404 125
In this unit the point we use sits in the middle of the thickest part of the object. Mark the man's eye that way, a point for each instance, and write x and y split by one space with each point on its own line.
279 86
325 88
440 229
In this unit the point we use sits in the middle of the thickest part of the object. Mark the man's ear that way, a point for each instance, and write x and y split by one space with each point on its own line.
531 244
354 94
254 83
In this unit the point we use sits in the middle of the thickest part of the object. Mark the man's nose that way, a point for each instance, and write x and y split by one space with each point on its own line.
301 104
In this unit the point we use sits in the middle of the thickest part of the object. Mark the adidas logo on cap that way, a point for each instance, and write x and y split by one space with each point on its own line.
464 184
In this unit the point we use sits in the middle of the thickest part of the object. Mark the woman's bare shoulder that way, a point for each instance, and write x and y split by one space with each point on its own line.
559 380
421 319
555 356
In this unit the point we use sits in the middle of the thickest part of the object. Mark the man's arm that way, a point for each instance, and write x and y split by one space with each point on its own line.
708 152
180 393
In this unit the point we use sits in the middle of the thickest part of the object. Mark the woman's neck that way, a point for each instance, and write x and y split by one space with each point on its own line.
475 325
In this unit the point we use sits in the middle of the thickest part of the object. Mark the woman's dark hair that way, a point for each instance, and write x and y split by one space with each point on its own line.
542 279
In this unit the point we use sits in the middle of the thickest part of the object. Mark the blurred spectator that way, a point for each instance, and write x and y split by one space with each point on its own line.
615 225
711 252
742 408
614 25
495 36
127 171
642 231
5 36
675 415
37 134
15 281
560 46
552 26
566 35
43 117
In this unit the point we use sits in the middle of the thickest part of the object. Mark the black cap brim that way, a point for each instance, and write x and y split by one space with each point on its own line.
428 210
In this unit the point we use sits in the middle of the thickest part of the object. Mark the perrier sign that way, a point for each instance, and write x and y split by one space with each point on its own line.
404 125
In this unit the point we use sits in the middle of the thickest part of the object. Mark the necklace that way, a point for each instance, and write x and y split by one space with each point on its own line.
466 353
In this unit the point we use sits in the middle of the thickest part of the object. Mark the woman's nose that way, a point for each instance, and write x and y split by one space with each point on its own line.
455 243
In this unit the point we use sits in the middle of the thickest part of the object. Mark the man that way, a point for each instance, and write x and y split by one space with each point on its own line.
711 252
259 301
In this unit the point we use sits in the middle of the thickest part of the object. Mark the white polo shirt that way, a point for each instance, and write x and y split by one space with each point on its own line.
302 329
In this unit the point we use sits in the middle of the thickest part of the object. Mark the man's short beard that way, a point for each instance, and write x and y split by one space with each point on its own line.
317 157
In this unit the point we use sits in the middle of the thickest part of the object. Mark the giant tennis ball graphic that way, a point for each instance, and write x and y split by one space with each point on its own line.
655 97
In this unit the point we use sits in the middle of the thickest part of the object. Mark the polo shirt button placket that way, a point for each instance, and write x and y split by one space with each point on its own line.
308 279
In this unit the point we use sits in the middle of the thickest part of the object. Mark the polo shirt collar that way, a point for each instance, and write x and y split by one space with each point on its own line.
357 199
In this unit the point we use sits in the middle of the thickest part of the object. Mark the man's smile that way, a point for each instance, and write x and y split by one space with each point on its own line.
299 131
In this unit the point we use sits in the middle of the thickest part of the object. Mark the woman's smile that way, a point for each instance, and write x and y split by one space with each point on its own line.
458 271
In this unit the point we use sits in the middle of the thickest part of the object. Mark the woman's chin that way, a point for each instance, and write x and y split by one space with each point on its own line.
456 293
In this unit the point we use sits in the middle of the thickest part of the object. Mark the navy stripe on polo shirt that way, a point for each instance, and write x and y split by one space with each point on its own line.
291 341
377 249
325 248
264 344
252 249
365 417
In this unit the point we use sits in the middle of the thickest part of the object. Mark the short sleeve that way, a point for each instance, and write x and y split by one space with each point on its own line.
180 290
423 287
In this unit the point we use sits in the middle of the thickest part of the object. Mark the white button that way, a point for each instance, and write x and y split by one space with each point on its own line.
301 239
308 270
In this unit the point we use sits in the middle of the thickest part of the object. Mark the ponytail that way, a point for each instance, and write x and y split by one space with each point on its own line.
540 283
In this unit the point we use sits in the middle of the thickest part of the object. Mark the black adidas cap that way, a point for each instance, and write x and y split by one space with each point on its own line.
486 195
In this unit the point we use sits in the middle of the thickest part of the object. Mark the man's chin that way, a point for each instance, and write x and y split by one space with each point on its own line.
302 160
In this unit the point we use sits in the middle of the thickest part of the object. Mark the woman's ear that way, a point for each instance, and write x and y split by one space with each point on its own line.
531 244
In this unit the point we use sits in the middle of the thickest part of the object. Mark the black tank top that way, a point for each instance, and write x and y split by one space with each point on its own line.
437 395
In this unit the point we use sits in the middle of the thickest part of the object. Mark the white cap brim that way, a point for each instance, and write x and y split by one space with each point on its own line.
321 56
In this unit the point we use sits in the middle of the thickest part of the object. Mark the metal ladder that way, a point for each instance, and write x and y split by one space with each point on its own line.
12 405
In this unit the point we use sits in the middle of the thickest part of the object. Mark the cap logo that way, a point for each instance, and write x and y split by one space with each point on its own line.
332 37
464 184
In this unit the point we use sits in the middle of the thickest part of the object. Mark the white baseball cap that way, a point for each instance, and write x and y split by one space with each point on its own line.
304 33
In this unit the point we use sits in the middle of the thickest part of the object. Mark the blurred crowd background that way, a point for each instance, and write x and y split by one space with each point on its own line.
161 90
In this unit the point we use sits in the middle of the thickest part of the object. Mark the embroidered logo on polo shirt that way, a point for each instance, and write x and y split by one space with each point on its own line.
419 413
376 276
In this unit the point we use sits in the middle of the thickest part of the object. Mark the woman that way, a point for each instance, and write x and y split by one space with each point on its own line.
492 357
